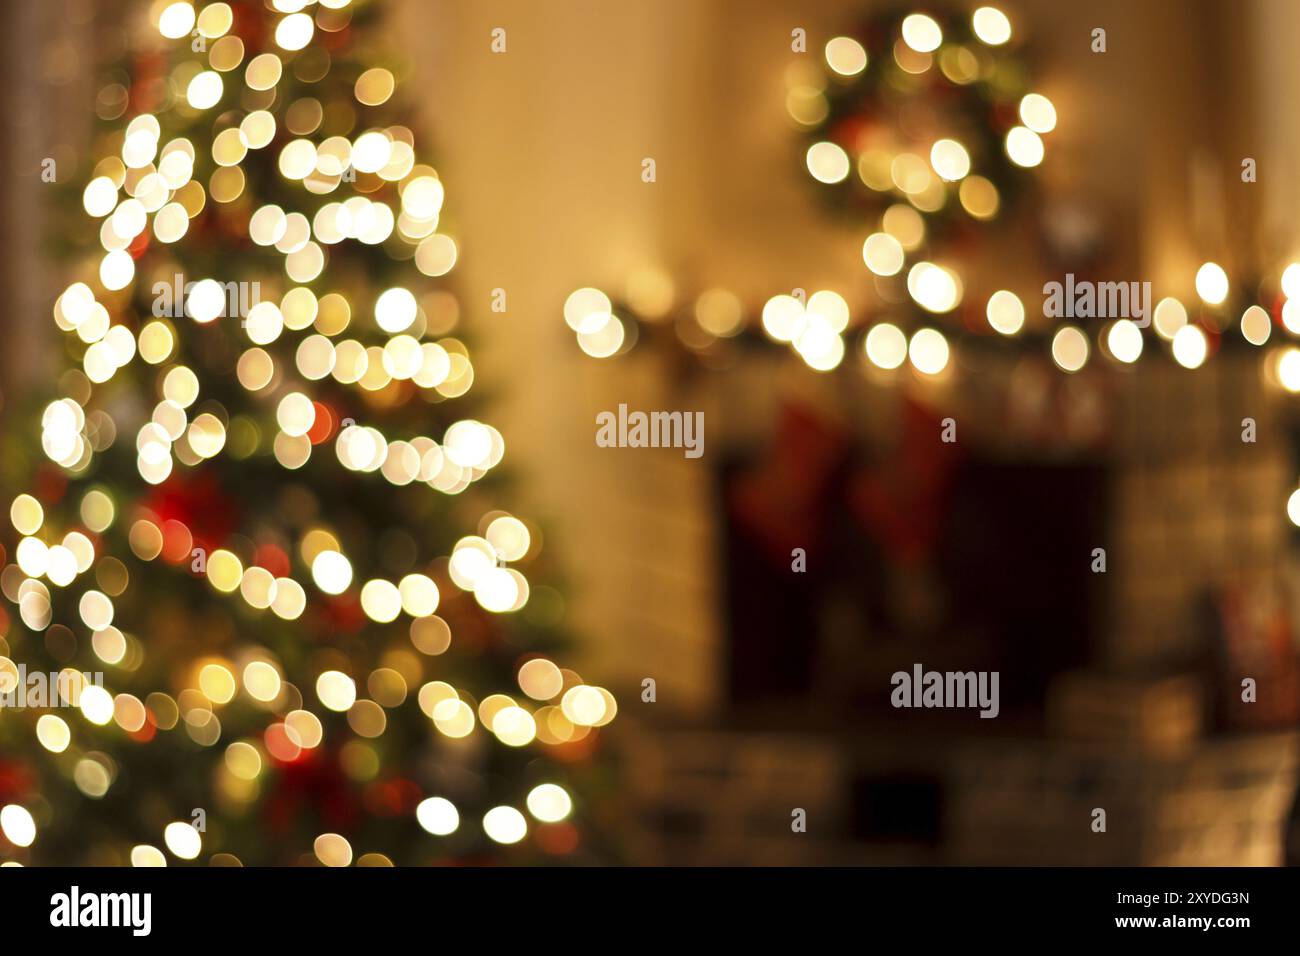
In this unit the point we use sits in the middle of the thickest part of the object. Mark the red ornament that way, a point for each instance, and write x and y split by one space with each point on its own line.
323 427
312 786
15 781
139 245
344 614
146 69
273 559
50 484
557 839
200 503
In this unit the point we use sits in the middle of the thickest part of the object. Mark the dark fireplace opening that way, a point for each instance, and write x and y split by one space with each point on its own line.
990 568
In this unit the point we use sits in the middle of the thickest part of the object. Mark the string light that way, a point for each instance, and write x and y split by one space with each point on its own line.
900 171
928 351
1125 341
991 26
1212 283
921 33
828 162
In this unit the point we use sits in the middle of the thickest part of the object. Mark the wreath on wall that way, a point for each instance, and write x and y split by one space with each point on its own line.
933 113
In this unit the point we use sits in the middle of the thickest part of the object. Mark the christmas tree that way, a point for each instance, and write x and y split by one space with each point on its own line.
266 609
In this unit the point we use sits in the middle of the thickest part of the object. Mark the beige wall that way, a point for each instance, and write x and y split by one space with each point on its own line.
45 113
1272 70
541 151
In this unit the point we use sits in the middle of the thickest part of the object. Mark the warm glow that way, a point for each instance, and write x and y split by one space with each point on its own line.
1038 113
1070 349
204 90
1212 283
1024 146
846 56
176 21
1170 316
395 310
183 840
883 254
783 317
1290 279
549 803
828 162
922 33
438 816
1005 312
991 26
294 31
1125 341
336 690
505 825
886 346
933 287
1288 369
18 825
928 351
950 159
1256 326
1190 347
332 572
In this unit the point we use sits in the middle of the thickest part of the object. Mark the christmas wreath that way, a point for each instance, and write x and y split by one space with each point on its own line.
922 123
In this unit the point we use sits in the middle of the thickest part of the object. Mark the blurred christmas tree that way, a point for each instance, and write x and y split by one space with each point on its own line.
314 641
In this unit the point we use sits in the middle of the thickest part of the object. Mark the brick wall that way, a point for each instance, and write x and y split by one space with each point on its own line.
1223 803
1193 505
